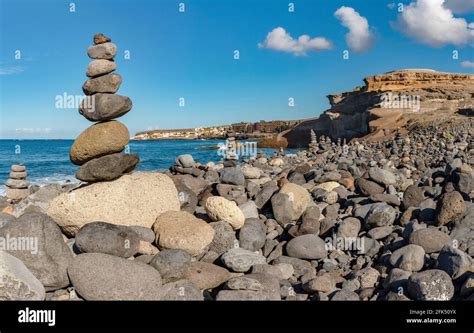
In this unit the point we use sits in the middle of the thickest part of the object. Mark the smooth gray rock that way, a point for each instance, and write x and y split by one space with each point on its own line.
185 161
367 187
98 276
145 234
280 271
430 239
249 209
282 207
300 267
44 252
241 260
380 232
233 176
102 237
39 201
409 258
100 67
306 247
382 176
454 261
252 235
205 275
101 107
108 167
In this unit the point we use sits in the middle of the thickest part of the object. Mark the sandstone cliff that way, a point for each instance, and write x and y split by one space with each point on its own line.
388 103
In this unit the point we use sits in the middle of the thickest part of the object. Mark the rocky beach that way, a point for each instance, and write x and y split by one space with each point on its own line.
377 205
342 219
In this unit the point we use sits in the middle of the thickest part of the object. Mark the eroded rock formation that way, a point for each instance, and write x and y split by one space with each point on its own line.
387 104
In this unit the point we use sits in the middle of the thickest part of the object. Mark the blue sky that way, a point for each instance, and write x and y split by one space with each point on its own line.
190 55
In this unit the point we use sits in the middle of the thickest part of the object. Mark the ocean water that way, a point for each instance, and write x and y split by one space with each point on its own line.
48 161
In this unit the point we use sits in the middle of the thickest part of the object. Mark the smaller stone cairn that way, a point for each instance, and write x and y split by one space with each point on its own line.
17 184
281 152
313 145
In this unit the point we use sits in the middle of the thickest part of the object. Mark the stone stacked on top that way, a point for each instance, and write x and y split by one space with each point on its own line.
17 184
99 149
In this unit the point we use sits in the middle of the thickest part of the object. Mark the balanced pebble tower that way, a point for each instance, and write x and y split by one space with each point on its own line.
17 184
99 149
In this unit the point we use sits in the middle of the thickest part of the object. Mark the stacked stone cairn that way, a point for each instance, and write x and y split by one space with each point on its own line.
99 149
231 151
313 145
17 184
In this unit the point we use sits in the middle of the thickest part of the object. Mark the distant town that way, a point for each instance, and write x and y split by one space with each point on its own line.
242 131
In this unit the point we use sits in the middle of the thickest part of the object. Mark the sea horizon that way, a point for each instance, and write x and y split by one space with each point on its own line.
51 164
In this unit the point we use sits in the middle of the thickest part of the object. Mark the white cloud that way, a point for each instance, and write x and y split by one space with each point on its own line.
359 38
459 6
280 40
431 23
11 70
467 64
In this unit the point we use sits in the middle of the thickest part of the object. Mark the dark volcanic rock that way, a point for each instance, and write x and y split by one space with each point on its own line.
450 207
108 167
